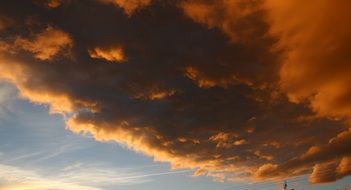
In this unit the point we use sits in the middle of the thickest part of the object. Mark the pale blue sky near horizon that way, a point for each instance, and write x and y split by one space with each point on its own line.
36 147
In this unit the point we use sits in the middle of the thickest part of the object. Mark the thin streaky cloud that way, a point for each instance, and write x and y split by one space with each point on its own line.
155 174
73 178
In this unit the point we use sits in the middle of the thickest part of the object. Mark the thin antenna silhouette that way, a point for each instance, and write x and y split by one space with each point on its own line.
285 185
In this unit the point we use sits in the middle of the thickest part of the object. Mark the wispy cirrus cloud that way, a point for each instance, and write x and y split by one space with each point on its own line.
77 176
14 178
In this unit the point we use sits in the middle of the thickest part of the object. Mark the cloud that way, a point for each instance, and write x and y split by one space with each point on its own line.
46 44
228 15
77 176
50 3
230 94
109 54
331 171
129 6
241 21
332 159
54 3
85 176
315 61
5 22
17 178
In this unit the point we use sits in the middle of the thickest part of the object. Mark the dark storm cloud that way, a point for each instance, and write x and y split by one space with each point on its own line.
187 82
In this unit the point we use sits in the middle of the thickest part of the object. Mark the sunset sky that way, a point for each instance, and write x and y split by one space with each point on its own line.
175 94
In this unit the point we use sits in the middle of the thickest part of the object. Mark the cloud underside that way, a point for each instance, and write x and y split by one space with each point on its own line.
234 89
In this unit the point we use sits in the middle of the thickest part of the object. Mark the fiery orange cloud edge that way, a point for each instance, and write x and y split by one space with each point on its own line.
313 72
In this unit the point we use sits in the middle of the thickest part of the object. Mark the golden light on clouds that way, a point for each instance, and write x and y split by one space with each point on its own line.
316 61
53 3
232 89
226 15
129 6
110 54
47 44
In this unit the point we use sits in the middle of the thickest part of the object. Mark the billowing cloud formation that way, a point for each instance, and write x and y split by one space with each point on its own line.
241 21
203 86
317 57
336 151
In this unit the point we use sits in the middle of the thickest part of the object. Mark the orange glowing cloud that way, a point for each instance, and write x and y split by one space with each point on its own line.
110 54
316 60
328 160
129 6
228 15
155 94
47 44
52 3
17 73
204 81
141 140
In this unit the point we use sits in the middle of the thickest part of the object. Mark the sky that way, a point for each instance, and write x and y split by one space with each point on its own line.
177 94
